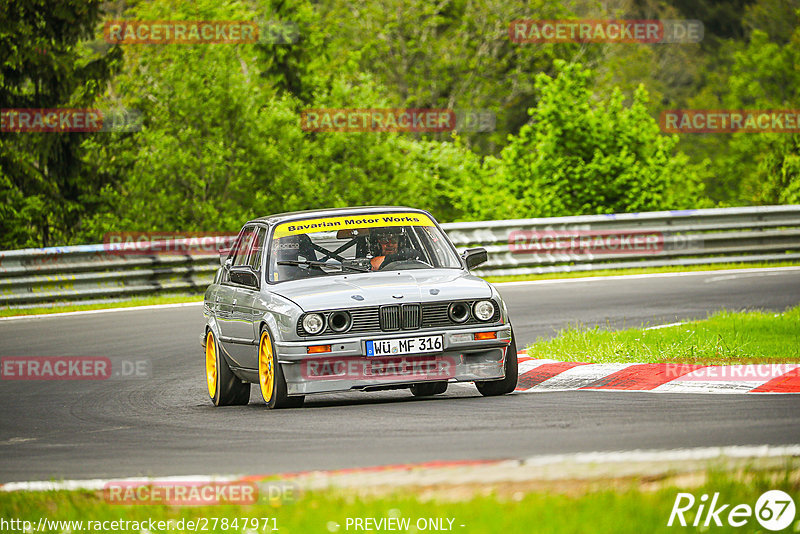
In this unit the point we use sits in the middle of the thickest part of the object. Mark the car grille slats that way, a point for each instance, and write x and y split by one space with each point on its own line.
435 315
405 317
394 318
365 320
390 318
410 316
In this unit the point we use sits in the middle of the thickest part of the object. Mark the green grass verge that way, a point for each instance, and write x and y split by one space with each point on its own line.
128 303
647 270
627 509
723 338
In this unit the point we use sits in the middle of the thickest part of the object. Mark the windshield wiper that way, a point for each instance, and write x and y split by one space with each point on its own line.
321 264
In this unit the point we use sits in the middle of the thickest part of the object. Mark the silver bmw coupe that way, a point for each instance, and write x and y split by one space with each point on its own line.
366 298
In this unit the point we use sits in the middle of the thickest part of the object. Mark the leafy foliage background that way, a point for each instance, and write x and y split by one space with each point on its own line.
221 140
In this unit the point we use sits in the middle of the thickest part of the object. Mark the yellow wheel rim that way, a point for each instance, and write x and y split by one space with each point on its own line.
266 367
211 364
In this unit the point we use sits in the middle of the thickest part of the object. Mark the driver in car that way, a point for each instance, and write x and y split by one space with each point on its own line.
389 241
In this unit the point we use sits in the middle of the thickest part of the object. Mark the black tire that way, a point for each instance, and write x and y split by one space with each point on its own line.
295 401
273 391
428 389
224 388
493 388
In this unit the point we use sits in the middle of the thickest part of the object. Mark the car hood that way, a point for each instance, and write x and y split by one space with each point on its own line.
373 289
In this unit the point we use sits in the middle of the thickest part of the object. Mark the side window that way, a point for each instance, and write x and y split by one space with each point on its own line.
235 245
256 251
244 245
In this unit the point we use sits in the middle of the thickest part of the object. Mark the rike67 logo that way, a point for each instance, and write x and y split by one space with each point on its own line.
774 510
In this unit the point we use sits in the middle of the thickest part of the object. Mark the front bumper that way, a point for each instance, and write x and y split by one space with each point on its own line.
346 366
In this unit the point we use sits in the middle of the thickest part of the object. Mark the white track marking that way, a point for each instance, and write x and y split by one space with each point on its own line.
707 387
530 365
777 270
579 376
639 455
710 379
660 326
98 484
410 474
106 310
726 378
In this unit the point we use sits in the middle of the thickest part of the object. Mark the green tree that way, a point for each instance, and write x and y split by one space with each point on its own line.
44 190
220 136
449 54
584 154
754 168
222 139
781 167
756 72
765 76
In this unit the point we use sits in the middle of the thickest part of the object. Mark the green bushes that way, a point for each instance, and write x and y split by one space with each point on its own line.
221 139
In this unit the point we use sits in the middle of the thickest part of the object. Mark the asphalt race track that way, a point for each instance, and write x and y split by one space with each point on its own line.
165 425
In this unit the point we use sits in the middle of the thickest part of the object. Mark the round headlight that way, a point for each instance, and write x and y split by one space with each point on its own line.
458 312
340 321
483 310
313 323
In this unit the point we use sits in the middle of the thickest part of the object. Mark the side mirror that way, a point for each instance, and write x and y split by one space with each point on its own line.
475 256
244 276
223 255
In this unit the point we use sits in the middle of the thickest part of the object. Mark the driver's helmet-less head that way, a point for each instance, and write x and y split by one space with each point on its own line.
387 235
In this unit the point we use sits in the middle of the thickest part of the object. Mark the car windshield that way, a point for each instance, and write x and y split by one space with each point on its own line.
358 243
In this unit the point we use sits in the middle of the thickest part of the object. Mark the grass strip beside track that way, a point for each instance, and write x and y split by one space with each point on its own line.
725 338
607 505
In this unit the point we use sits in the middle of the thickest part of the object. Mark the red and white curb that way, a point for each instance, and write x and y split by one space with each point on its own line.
550 375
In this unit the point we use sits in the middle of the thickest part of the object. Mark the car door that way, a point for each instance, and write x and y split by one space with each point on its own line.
223 293
245 309
235 337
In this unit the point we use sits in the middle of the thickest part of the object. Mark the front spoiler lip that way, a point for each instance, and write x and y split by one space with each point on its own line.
484 365
472 360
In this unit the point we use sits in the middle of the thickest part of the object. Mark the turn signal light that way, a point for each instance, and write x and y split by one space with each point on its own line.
485 335
316 349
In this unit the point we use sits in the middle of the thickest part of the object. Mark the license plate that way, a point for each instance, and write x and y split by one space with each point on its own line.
408 345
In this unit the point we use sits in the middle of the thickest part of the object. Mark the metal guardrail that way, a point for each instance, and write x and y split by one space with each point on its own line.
515 247
685 237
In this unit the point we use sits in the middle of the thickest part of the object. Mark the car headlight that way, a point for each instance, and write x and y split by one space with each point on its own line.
340 321
483 310
458 312
313 323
